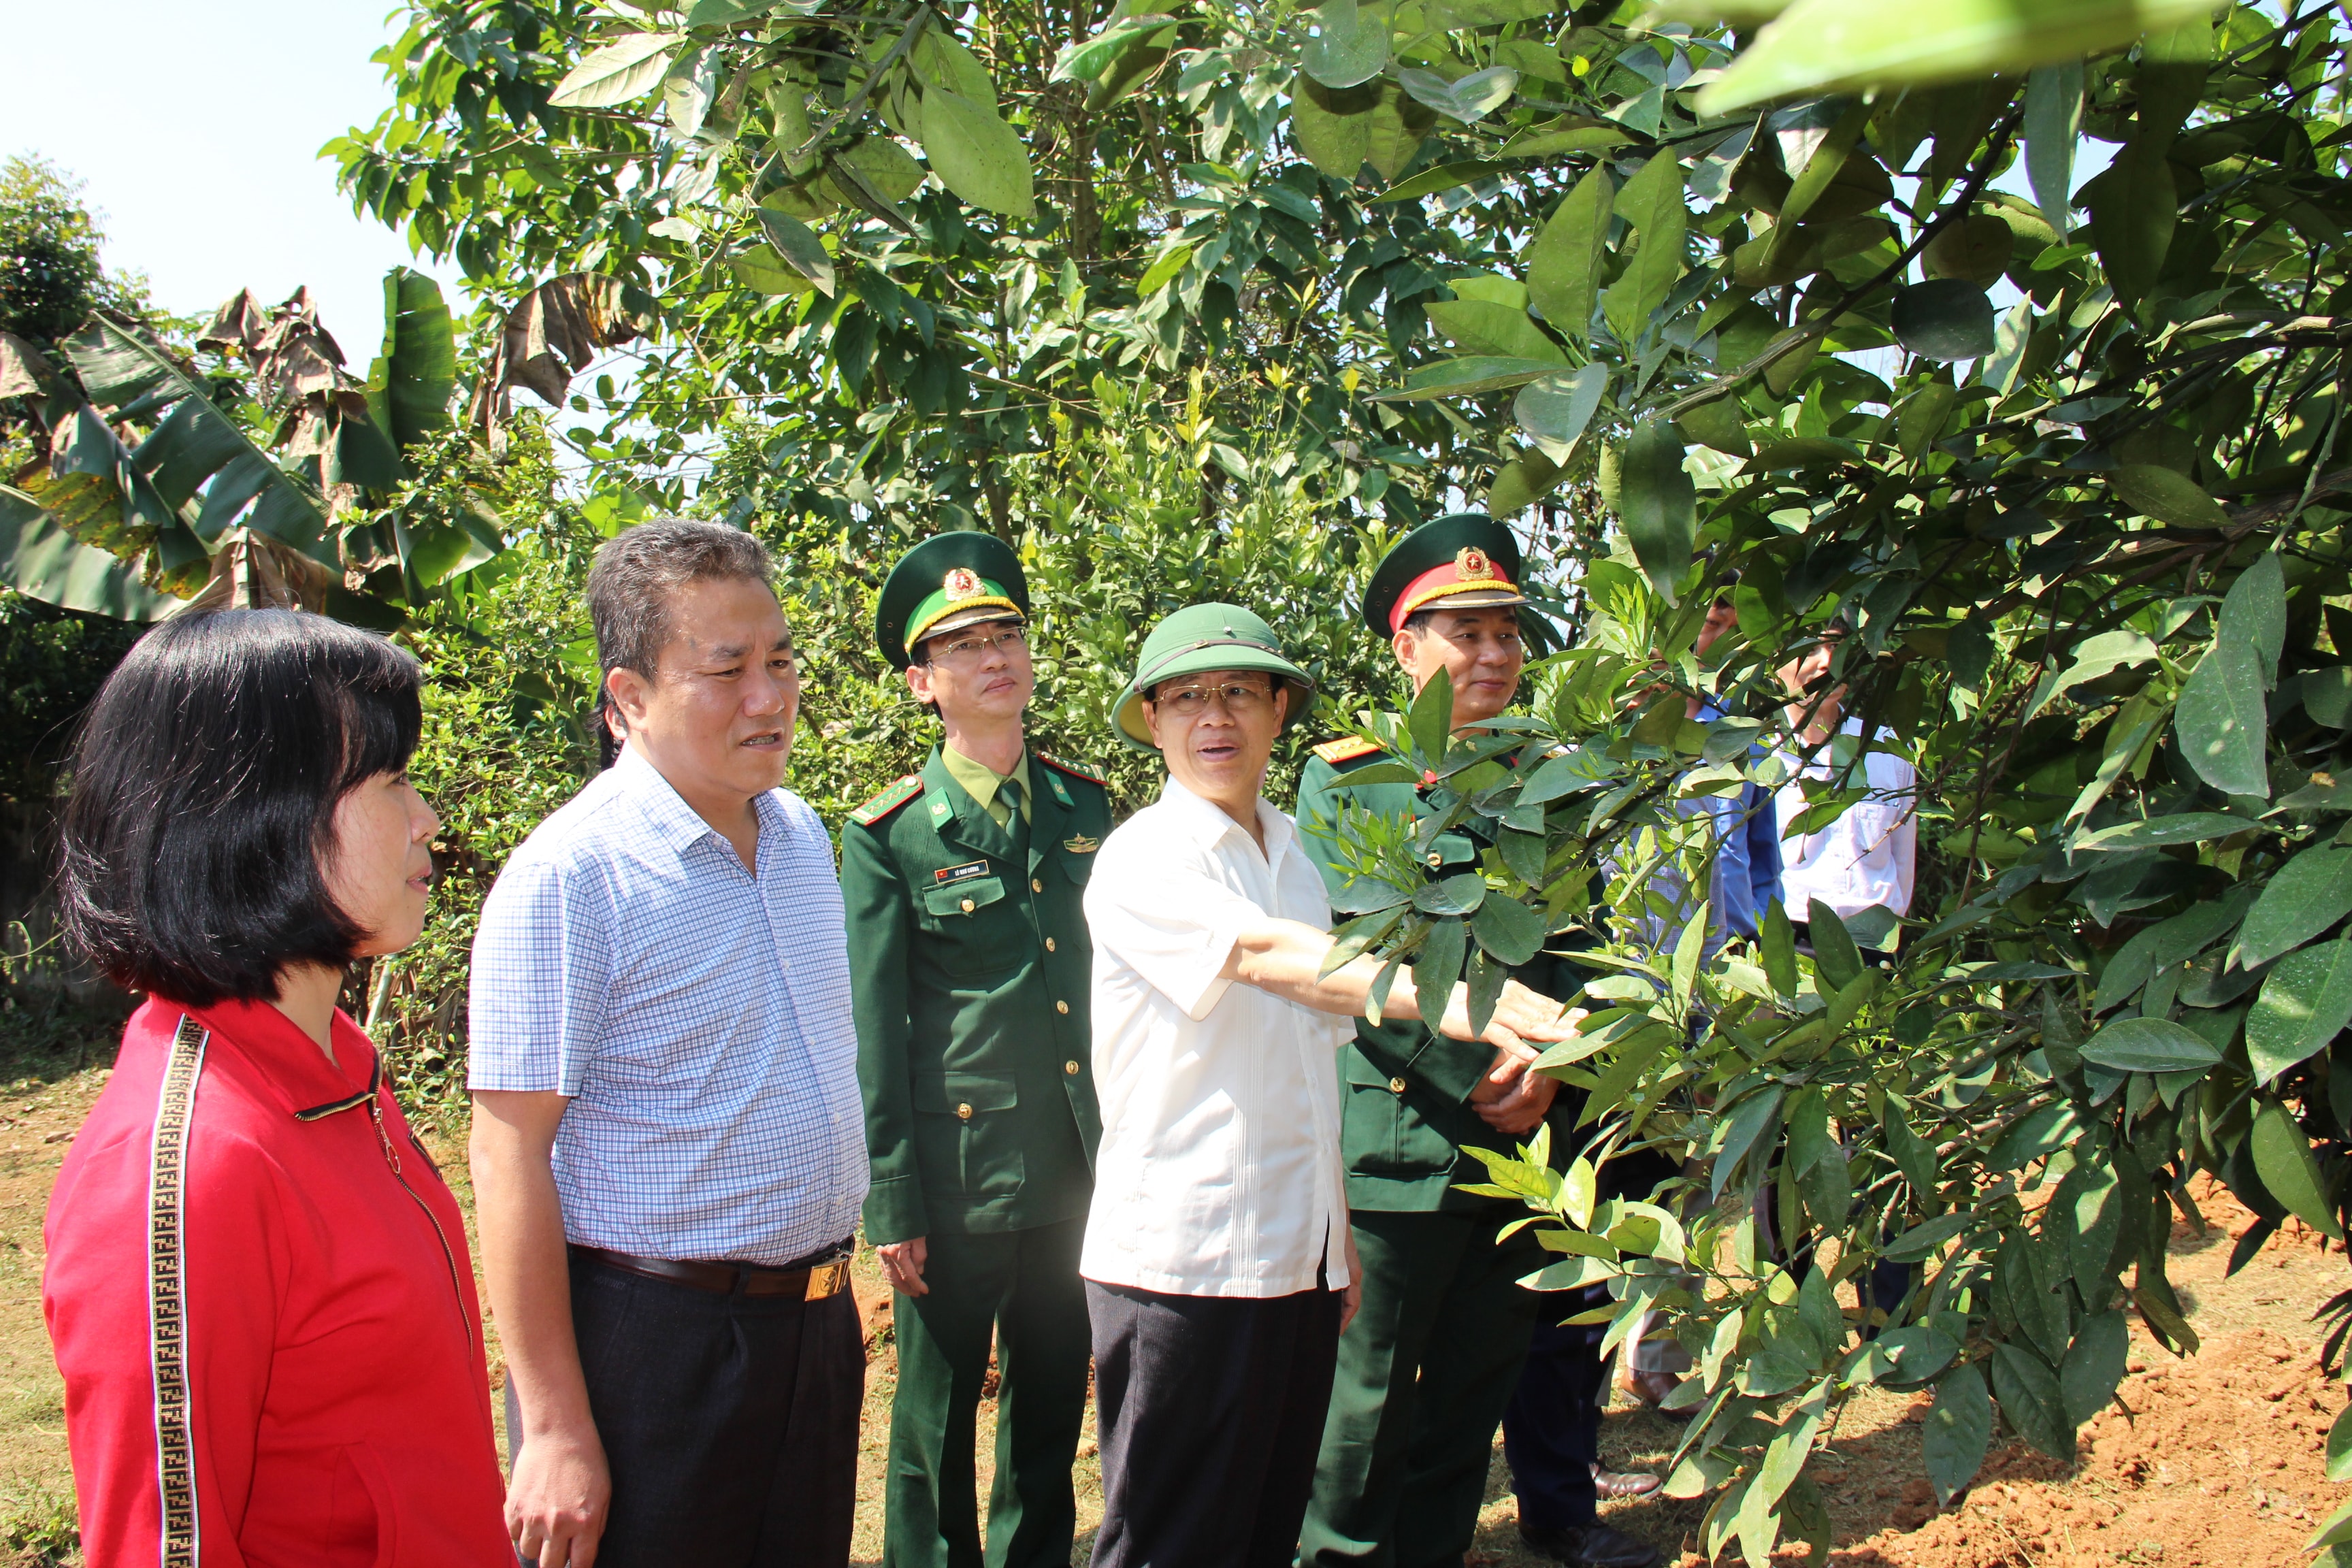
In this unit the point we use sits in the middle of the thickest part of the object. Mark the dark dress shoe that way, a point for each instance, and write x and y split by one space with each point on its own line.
1594 1545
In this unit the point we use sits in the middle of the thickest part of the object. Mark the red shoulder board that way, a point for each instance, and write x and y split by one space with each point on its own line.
1070 768
1345 749
888 801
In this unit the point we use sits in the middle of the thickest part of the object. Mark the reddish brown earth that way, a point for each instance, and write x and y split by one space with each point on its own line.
2219 1465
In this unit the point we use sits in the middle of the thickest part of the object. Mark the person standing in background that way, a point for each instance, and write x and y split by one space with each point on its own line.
1218 1268
668 1149
1869 856
970 966
1447 1340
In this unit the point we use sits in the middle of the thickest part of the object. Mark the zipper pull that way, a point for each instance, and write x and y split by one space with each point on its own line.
375 1118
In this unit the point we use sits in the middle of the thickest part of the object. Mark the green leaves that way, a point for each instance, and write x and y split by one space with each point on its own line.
2149 1045
629 66
1820 45
1091 59
1436 967
1944 318
1659 503
1958 1426
2031 1401
976 154
2307 895
2282 1159
1557 409
2221 721
42 561
2054 122
1653 203
800 248
1467 99
2306 1000
1564 261
1431 719
1349 47
2168 496
409 384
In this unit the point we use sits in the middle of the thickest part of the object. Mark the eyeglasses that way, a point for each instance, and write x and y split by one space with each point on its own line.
1239 697
1012 639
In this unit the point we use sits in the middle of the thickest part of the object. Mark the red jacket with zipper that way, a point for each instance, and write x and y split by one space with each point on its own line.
259 1293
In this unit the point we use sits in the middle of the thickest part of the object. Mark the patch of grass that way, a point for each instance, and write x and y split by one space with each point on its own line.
38 1528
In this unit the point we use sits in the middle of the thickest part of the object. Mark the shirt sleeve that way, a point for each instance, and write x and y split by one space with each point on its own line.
213 1342
1158 910
879 912
542 978
1903 842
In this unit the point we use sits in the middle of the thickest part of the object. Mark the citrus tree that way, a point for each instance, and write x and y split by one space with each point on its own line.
2007 340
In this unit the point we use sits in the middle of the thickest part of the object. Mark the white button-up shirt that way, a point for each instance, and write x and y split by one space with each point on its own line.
1219 1172
1867 857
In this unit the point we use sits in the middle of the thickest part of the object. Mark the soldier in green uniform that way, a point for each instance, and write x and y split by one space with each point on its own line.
1436 1351
970 965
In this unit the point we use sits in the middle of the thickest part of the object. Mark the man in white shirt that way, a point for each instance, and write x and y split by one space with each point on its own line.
1870 854
1216 1258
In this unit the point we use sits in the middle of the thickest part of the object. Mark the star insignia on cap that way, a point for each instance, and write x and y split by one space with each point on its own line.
1472 563
962 583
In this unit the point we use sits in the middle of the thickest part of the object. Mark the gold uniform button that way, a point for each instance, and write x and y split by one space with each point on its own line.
1396 1086
1061 1006
1070 1068
1049 944
964 1110
1036 886
969 906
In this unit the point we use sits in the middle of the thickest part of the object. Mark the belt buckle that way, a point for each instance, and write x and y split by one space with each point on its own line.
827 1279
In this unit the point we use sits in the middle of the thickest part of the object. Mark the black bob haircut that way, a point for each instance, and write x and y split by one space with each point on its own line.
205 782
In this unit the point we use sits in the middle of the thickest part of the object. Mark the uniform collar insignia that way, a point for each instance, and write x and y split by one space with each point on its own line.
1082 845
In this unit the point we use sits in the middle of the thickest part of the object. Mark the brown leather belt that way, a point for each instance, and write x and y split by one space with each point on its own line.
813 1283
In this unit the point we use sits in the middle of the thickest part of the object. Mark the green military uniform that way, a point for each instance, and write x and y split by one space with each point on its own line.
970 969
1435 1352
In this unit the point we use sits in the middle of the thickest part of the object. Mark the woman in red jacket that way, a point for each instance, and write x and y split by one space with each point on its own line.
257 1285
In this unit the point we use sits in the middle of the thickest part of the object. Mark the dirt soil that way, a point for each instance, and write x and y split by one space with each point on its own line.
2219 1465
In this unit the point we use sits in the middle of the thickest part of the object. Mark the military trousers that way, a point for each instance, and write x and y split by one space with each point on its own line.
1019 1291
1426 1370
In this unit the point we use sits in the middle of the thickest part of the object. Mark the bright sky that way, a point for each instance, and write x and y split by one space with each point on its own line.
197 127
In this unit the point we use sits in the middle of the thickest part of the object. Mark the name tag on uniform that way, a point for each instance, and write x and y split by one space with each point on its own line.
1082 845
959 873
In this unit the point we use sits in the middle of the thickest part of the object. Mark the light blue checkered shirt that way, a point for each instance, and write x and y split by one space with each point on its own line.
698 1017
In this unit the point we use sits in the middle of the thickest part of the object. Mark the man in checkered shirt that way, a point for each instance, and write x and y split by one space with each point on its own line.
669 1148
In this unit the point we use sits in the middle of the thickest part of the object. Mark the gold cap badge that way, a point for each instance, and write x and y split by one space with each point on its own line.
1471 562
962 583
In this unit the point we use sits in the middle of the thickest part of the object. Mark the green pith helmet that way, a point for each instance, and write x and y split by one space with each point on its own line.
949 581
1206 637
1464 562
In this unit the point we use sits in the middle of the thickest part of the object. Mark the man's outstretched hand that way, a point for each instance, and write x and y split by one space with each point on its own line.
1521 1017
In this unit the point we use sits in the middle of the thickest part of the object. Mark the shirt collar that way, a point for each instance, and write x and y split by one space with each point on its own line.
289 1061
1208 819
979 780
678 824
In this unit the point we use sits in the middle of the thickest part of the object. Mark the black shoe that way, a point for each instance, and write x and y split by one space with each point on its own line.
1594 1545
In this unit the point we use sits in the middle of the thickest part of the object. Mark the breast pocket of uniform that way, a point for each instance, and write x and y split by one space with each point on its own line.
973 930
966 1139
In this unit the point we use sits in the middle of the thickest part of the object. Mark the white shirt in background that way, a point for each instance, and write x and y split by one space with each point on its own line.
1869 856
1219 1172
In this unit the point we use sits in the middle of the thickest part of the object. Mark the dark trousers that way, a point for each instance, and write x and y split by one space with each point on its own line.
1424 1374
1208 1409
1020 1291
1551 1433
729 1421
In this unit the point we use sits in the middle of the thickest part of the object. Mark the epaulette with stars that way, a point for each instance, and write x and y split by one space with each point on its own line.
888 801
1075 772
1345 749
